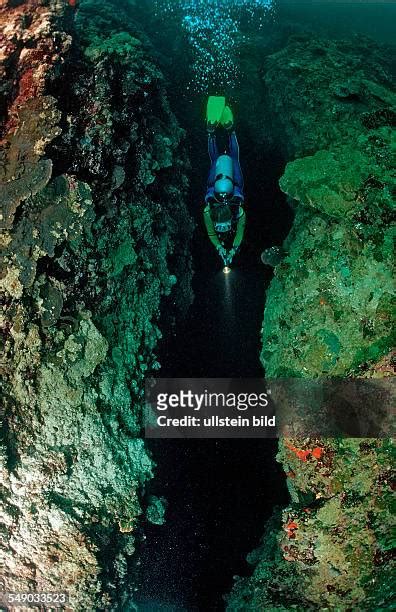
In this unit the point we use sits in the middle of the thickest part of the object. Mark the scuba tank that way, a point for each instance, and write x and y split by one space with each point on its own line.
225 166
224 184
224 188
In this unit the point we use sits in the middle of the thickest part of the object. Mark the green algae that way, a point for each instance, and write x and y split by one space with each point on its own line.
332 559
333 289
335 283
156 510
124 255
338 181
121 44
329 313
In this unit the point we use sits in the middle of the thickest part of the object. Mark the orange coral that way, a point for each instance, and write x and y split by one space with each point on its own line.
301 454
290 528
304 454
317 452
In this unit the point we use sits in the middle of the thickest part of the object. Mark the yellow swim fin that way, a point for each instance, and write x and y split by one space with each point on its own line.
214 111
227 118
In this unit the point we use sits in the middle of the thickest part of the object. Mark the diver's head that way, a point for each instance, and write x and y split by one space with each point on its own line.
223 188
222 218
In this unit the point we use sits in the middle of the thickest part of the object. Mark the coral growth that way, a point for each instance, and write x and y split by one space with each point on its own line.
33 45
329 313
94 168
329 307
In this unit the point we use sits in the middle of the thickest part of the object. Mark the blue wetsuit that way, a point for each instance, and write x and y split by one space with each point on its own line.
238 196
235 201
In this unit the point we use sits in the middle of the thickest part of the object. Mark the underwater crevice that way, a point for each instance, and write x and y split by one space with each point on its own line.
223 475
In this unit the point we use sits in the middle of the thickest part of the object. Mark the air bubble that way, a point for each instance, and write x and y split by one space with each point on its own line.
212 28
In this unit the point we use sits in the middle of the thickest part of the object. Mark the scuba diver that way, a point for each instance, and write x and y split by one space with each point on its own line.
224 215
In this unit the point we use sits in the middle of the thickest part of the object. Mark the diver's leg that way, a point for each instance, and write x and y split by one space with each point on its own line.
213 154
212 148
234 153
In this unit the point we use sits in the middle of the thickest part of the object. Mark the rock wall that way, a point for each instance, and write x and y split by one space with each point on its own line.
329 314
96 234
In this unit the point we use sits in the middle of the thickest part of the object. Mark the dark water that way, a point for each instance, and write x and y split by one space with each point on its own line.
221 492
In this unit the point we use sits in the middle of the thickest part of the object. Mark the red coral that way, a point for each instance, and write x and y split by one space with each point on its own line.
27 86
317 452
304 454
301 454
290 528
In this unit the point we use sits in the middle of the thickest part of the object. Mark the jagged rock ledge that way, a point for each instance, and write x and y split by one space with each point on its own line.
329 314
96 233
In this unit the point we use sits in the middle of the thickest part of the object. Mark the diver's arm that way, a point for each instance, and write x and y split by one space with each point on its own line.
239 231
210 228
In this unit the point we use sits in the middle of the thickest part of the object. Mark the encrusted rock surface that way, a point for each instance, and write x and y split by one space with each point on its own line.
328 310
323 91
329 314
96 233
32 46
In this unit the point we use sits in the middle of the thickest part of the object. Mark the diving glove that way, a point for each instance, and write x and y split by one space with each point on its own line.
223 253
231 254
